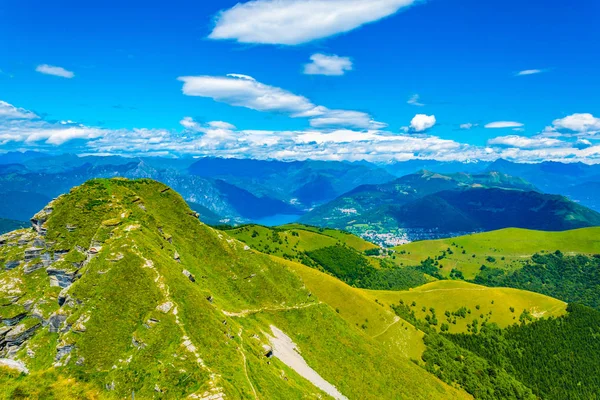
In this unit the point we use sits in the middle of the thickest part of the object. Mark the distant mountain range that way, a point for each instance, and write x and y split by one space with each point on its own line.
229 190
337 194
448 204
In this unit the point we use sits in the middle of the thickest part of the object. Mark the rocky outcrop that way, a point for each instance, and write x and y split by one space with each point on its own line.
18 335
12 321
55 322
62 278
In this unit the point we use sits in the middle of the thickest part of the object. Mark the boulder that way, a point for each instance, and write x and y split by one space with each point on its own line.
189 275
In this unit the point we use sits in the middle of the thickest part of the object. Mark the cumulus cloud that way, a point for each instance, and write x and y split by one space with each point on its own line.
8 111
245 91
529 72
351 119
578 123
503 124
330 65
523 142
415 100
53 70
293 22
422 122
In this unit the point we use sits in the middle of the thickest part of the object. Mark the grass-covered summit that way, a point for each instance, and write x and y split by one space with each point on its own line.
120 290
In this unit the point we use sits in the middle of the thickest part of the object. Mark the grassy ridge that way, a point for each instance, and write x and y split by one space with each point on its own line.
506 248
211 337
498 305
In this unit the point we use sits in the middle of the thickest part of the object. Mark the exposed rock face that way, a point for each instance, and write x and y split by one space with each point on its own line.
18 335
14 320
61 278
55 322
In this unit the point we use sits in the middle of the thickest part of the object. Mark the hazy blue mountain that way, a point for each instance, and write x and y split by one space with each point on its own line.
485 209
364 202
402 168
558 178
306 183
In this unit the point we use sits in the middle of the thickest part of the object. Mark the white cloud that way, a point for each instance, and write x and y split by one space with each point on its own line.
53 70
523 142
221 125
529 72
579 123
351 119
219 138
468 125
415 100
503 124
422 122
330 65
292 22
244 91
8 111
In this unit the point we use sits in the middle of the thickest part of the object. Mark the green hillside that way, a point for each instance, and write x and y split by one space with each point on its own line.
506 249
340 254
120 290
457 304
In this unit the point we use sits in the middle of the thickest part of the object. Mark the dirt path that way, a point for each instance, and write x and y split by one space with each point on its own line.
286 350
246 362
396 320
245 313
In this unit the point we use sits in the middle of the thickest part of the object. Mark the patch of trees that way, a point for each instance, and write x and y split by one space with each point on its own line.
355 269
458 366
574 279
558 358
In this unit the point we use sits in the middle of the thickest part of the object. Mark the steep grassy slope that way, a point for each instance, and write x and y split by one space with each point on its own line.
356 307
506 248
121 289
498 305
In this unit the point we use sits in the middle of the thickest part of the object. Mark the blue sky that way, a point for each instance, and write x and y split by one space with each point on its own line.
393 79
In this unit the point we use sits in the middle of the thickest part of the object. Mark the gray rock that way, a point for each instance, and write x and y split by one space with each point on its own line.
32 253
189 275
55 321
14 320
29 268
18 335
62 278
14 364
12 264
62 351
